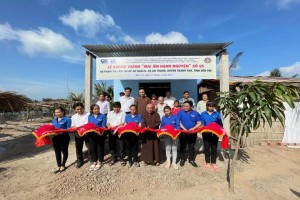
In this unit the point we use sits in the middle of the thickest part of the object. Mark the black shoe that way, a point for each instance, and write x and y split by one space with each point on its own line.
79 164
181 163
193 163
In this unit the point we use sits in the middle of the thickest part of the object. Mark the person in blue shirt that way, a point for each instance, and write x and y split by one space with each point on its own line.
189 120
61 142
210 140
131 140
96 141
170 119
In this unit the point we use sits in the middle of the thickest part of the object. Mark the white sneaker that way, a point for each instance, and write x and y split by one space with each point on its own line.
175 166
168 165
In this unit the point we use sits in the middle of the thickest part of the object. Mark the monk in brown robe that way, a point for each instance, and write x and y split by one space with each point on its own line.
151 150
141 102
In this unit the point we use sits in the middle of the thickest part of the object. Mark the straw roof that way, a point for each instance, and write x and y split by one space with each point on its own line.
12 102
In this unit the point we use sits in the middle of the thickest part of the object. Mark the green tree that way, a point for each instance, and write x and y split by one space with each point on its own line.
276 73
102 88
252 105
78 97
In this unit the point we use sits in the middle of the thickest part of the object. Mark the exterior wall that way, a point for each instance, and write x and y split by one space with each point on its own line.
177 87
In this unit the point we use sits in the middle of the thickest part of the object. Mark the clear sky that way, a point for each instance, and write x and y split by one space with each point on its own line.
40 40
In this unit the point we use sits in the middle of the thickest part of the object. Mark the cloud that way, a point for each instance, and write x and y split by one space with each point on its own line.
171 37
88 22
40 41
288 71
282 4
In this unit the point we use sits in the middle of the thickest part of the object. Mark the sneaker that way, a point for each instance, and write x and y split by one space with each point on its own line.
136 164
175 166
62 169
56 170
168 164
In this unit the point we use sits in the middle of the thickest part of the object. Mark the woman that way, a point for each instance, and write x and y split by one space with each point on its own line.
170 119
154 100
132 141
61 141
176 107
210 140
96 141
201 105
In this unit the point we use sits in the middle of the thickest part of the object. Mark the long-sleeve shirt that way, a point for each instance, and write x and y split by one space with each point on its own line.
201 106
126 103
213 117
170 120
151 120
104 106
99 120
141 103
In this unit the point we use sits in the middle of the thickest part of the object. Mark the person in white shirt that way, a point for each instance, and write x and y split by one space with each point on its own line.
103 105
169 100
77 120
160 106
116 118
126 100
201 105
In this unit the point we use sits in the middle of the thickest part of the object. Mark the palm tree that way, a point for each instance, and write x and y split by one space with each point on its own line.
101 88
12 102
276 73
78 97
235 60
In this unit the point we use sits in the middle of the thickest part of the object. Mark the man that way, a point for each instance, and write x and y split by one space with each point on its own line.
160 106
201 105
186 97
126 100
116 118
141 102
169 100
77 120
103 105
189 120
151 151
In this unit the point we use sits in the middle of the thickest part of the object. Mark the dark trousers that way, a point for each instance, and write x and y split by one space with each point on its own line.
187 140
210 142
60 145
132 146
116 146
79 146
97 146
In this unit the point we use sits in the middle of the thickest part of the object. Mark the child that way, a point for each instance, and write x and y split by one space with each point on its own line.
61 141
210 140
132 141
176 107
80 119
171 144
96 141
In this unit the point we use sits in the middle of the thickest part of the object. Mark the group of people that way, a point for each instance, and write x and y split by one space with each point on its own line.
145 113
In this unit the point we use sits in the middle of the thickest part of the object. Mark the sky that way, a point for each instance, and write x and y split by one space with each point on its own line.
40 40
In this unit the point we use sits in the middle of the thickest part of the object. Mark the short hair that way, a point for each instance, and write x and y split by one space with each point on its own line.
78 104
117 104
186 92
61 109
128 88
176 101
189 102
133 105
167 107
93 106
210 103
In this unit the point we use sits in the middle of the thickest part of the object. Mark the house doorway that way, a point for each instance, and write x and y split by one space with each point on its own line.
155 88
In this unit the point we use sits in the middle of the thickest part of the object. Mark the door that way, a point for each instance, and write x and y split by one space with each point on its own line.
155 88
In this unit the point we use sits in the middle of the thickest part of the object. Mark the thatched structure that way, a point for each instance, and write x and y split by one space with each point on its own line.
12 102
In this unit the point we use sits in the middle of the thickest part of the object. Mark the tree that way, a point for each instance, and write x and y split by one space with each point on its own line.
12 102
276 73
252 105
101 88
78 97
235 60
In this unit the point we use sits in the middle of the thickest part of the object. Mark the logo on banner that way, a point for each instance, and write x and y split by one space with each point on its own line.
207 60
104 61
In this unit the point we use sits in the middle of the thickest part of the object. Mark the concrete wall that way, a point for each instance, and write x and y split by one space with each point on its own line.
177 87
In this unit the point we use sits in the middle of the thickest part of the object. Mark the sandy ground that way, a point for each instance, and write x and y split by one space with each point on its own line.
262 172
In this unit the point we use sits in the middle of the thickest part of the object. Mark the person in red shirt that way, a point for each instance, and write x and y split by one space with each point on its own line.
176 107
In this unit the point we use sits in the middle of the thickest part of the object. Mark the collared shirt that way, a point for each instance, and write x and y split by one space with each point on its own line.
115 119
189 119
181 102
137 118
126 103
104 106
169 101
171 120
160 109
201 106
99 120
64 123
79 120
214 117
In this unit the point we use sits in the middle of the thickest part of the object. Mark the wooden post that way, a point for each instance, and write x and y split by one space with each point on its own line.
224 82
88 81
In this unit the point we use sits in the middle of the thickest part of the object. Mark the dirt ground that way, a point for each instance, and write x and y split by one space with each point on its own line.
262 172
